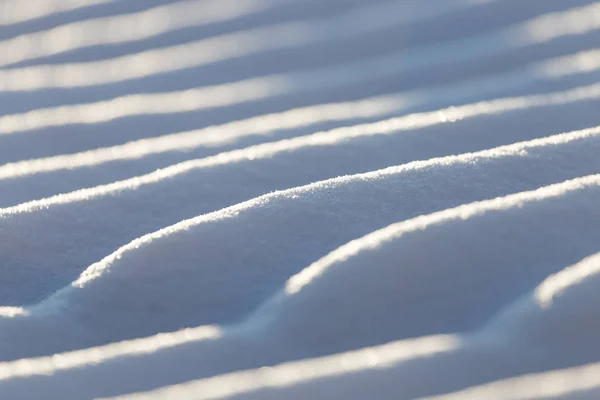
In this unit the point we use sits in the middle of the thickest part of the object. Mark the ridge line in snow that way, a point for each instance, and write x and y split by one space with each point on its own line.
168 17
98 268
545 385
266 150
77 358
305 370
193 188
288 374
264 125
395 230
228 94
554 289
44 365
17 11
575 21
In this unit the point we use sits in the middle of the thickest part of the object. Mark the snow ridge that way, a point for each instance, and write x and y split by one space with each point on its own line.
266 199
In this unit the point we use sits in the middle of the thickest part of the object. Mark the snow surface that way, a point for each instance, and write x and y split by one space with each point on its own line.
300 199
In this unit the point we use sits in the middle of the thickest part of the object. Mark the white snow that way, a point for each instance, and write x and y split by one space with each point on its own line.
298 199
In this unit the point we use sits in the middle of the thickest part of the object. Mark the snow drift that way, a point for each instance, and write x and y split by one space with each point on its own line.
256 199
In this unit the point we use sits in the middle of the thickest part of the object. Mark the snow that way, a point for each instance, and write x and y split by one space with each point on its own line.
266 199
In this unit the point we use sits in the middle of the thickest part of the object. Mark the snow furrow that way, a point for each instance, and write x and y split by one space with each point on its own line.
239 175
343 202
309 199
573 22
529 328
547 209
158 20
209 140
533 76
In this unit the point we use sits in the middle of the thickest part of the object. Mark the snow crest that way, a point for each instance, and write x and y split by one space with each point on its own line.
267 199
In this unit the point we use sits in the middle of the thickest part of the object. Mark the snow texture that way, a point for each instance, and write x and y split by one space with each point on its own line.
300 199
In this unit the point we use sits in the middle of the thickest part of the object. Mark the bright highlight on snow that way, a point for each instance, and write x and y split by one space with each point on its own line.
277 199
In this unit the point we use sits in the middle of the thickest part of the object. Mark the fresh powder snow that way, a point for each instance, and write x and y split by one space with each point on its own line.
300 199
